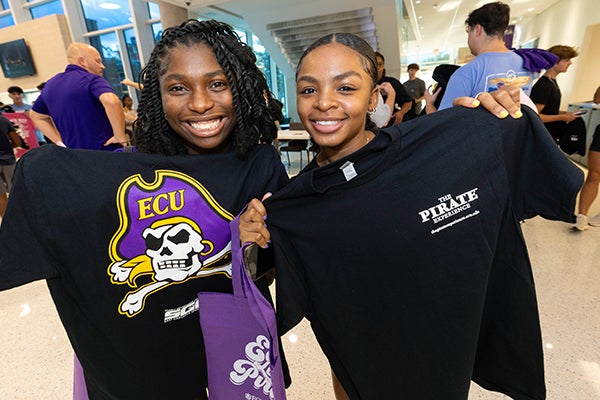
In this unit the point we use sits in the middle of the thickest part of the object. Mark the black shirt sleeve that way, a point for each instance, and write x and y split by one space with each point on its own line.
24 255
541 92
543 180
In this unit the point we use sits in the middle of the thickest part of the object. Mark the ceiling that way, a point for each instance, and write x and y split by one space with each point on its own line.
285 27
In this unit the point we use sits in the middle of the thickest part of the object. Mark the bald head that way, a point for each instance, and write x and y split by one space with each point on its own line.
85 56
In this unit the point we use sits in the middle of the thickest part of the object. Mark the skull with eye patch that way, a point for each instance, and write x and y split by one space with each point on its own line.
175 246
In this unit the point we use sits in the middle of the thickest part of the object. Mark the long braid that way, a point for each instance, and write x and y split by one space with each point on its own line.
247 83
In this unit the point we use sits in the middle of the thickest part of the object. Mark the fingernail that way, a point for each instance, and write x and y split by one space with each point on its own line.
518 114
264 217
476 103
503 114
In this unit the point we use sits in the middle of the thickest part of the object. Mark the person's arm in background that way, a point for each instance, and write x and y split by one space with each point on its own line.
45 124
116 116
131 83
567 116
430 98
597 96
405 100
399 114
387 89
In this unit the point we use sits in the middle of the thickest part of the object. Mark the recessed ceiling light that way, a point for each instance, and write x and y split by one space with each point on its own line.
420 17
418 2
110 6
530 9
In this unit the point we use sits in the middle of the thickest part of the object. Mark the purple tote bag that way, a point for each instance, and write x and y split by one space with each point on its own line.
240 337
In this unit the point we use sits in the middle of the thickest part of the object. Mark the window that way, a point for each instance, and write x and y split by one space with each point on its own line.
154 10
49 8
6 20
157 31
156 25
108 47
132 53
102 14
4 5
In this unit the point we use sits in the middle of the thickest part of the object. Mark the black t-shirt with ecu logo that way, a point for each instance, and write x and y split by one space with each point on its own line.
125 242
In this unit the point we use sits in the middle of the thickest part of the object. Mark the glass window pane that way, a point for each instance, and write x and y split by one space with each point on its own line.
154 10
4 5
132 52
108 47
53 7
7 20
102 14
157 31
242 35
263 60
281 89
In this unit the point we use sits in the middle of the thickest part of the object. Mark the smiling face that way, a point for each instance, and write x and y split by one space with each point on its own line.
197 100
333 98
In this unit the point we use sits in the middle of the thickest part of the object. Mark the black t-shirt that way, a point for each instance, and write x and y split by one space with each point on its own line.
125 242
546 91
414 273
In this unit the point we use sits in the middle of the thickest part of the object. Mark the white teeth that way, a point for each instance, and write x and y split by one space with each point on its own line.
326 123
205 125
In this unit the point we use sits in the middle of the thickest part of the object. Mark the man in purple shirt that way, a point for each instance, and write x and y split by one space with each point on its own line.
78 108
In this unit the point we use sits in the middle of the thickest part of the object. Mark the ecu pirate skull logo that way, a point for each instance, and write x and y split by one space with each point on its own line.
172 230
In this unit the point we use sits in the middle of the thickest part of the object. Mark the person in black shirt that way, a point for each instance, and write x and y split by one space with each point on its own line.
127 240
403 101
545 93
410 297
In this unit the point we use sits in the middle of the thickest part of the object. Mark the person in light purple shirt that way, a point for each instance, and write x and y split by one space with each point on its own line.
78 108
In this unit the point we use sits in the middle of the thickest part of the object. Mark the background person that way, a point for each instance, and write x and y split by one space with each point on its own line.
130 115
494 64
589 191
403 101
78 108
416 88
546 94
9 139
16 94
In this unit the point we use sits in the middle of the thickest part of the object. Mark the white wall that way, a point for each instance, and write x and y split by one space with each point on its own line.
566 23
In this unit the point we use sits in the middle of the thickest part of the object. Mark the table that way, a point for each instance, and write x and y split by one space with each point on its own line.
293 135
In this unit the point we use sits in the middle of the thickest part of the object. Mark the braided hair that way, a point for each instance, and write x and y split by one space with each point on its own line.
153 134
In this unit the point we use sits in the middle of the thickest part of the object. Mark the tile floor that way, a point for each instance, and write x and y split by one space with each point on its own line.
36 359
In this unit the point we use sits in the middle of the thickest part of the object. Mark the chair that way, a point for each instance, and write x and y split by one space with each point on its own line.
296 145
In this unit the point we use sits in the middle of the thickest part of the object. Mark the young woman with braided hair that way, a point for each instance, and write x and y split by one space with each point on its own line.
157 132
152 226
